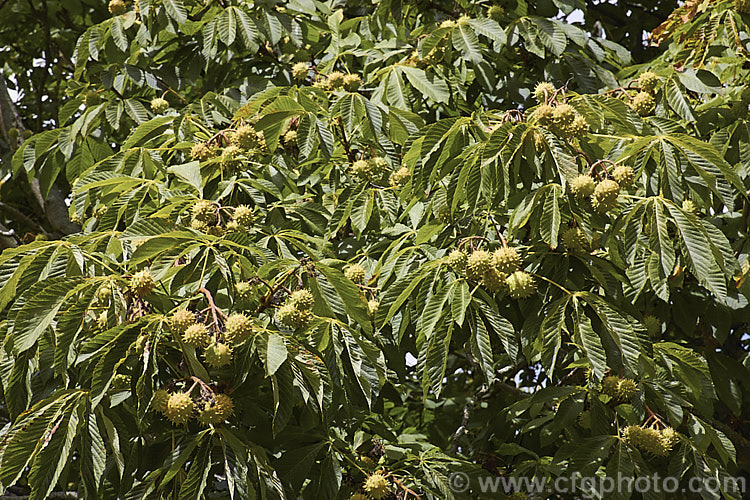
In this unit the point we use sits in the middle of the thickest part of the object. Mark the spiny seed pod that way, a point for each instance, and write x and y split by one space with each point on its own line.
201 151
179 408
376 486
290 138
648 81
632 435
159 401
494 280
362 169
624 175
400 176
653 325
626 389
246 137
117 7
218 355
243 291
224 406
605 195
199 225
689 206
300 70
544 115
643 103
496 13
583 186
204 211
579 128
650 440
352 82
575 240
159 105
506 260
520 285
543 91
669 437
456 260
291 317
372 307
563 115
478 263
141 283
181 320
237 328
378 166
197 335
610 385
356 273
244 216
233 227
231 157
302 299
336 79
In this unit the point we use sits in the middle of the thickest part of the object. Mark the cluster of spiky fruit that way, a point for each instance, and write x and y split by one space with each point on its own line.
300 71
495 271
295 312
202 151
159 105
561 118
373 168
575 240
376 486
643 103
205 217
648 81
337 80
604 197
496 13
141 283
179 407
621 389
117 7
400 176
356 273
246 138
651 440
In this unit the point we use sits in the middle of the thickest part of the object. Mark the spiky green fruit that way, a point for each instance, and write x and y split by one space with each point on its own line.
117 7
563 115
543 91
579 127
336 79
180 408
605 196
159 105
218 355
506 260
643 103
494 280
302 299
181 320
653 325
626 389
376 485
291 317
199 225
496 13
141 283
379 166
290 138
231 157
632 435
243 291
237 328
624 175
574 240
244 216
478 263
650 441
356 273
362 169
217 410
669 437
246 137
456 260
610 385
520 285
202 151
352 82
372 307
582 186
300 70
204 211
689 206
197 336
648 81
159 400
544 115
400 176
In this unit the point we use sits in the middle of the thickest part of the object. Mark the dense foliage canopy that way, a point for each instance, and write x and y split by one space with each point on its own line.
328 250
